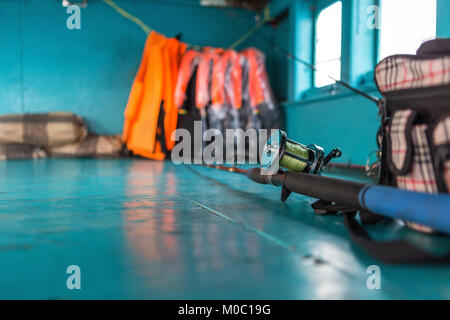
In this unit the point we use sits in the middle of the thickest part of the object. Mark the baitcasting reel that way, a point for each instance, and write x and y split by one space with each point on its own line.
280 151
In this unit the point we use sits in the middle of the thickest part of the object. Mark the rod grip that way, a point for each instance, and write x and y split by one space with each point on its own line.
427 209
342 192
432 210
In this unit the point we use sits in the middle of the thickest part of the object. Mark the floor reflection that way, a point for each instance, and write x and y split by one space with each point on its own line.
149 213
169 236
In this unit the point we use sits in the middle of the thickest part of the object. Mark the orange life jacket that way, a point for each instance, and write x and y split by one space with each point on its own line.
217 51
259 87
154 86
227 80
218 82
204 78
188 63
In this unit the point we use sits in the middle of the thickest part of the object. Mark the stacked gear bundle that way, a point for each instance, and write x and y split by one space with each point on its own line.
225 89
53 134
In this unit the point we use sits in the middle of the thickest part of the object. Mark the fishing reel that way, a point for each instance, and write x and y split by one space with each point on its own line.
281 152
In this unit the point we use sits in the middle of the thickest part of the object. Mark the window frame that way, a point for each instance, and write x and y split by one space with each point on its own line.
359 52
324 4
331 90
352 10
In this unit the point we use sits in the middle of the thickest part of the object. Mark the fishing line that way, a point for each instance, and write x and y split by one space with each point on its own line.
259 25
289 55
267 18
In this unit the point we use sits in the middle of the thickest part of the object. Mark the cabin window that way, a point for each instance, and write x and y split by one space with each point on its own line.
328 39
405 24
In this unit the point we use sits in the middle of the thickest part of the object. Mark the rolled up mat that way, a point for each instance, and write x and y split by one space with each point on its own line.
427 209
42 129
13 151
92 147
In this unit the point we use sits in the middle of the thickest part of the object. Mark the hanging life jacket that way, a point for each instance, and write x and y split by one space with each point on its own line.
188 65
203 87
227 80
226 90
151 114
258 91
204 79
259 86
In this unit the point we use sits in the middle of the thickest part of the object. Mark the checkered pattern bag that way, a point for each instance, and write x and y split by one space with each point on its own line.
415 135
421 176
441 141
407 72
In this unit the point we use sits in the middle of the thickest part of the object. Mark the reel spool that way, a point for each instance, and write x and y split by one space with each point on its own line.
280 151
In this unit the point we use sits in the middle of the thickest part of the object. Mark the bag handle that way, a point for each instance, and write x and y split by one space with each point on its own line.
393 252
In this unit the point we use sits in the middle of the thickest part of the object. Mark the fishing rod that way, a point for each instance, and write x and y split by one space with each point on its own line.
289 55
266 19
422 208
304 165
427 209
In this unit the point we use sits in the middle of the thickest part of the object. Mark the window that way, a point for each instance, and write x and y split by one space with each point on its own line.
328 45
405 24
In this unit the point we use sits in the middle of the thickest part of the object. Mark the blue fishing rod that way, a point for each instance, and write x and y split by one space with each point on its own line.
296 168
432 210
427 209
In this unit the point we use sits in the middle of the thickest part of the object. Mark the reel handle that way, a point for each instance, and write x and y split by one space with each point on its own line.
335 153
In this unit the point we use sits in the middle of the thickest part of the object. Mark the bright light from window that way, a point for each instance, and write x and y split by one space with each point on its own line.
328 45
405 24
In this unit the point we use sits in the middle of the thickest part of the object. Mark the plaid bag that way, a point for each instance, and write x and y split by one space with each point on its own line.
42 129
415 132
93 147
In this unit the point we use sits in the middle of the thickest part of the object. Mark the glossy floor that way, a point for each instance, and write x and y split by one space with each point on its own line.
144 229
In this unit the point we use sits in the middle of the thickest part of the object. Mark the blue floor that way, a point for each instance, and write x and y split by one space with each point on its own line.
144 229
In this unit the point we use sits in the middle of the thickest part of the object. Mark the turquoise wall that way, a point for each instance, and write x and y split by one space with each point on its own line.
44 66
337 118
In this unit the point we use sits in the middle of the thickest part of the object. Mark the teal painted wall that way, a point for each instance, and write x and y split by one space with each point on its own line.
443 18
44 66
